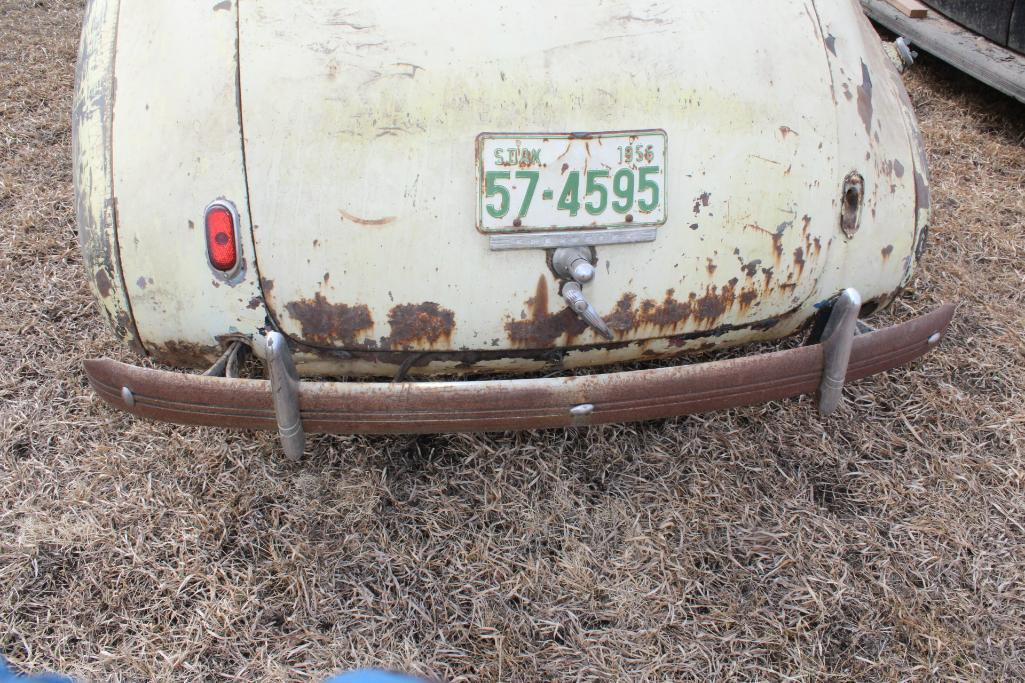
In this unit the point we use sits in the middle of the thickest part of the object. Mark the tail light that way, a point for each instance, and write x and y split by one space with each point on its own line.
222 241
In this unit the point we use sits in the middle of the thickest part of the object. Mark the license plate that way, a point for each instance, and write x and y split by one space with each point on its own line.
542 182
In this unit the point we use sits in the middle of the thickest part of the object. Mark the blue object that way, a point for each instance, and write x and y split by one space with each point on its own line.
8 676
369 677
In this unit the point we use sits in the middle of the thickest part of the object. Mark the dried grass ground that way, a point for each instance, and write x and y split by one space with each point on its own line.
885 543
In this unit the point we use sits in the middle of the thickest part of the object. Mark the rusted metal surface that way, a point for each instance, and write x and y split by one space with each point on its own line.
399 155
91 136
330 324
422 325
348 326
316 361
185 354
432 407
386 271
542 327
175 146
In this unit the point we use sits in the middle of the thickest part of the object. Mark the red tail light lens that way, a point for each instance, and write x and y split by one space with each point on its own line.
221 237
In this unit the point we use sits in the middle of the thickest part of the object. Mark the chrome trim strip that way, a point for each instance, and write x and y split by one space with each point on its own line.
581 238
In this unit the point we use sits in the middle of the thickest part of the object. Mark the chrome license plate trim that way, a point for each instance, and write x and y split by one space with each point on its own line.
577 238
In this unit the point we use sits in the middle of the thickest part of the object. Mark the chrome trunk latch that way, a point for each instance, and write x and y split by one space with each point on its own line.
574 265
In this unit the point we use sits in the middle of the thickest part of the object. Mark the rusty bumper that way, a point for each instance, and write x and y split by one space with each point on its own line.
501 405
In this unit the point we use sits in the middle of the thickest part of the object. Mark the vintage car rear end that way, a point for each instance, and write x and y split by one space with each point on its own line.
488 187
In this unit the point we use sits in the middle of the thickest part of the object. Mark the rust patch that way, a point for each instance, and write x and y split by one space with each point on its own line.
669 313
887 250
702 200
329 324
255 303
830 43
122 324
662 317
424 323
103 283
777 237
141 283
623 317
713 304
710 266
865 106
182 354
542 328
747 299
751 269
898 168
367 221
786 131
799 260
266 284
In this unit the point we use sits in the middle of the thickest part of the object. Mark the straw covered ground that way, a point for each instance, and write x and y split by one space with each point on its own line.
885 543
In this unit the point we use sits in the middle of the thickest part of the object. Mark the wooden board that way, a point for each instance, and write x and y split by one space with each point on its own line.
910 8
983 59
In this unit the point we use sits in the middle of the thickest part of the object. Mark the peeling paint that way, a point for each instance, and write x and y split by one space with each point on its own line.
419 324
102 283
799 260
773 184
330 324
922 196
865 105
668 314
543 328
91 134
185 354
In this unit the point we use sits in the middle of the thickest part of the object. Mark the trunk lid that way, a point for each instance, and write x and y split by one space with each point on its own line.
361 128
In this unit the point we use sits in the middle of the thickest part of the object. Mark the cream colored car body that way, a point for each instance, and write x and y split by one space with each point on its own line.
345 133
